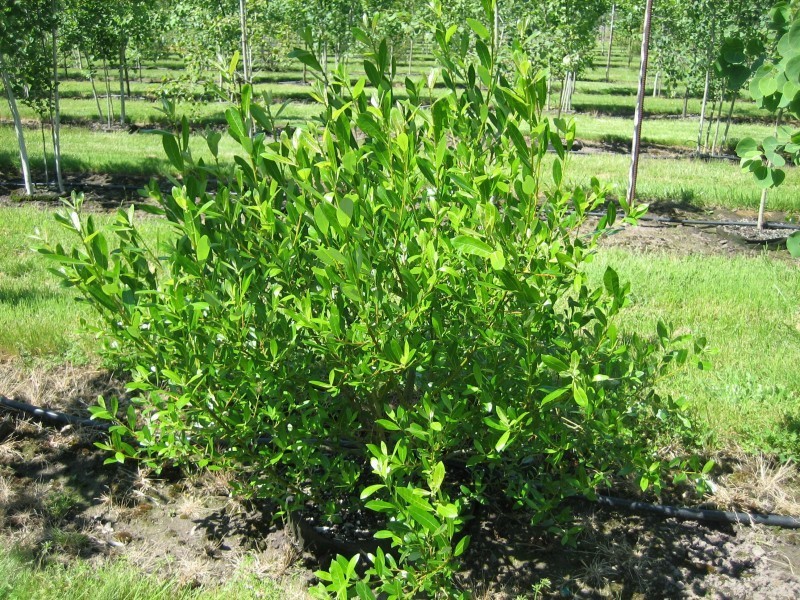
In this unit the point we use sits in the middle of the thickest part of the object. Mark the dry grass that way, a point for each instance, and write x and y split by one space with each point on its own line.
8 450
759 483
63 387
5 490
612 562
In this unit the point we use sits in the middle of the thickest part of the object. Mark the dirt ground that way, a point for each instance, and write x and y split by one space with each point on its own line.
58 500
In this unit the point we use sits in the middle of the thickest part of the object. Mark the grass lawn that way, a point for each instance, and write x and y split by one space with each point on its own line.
749 310
22 578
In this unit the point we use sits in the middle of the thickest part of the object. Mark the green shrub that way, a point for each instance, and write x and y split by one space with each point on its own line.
387 307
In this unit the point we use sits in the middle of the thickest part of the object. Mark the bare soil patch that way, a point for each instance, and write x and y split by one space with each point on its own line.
58 500
733 237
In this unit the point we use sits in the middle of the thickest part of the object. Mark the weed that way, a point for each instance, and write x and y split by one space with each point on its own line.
65 541
59 504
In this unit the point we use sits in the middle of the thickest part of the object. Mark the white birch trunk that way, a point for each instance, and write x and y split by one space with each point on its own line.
703 111
122 84
23 151
610 40
56 110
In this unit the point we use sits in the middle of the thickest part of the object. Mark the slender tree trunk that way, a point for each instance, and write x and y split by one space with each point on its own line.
410 54
728 123
56 113
655 84
706 147
549 93
109 103
122 84
90 67
247 75
44 151
139 68
80 60
761 207
630 50
127 76
719 120
703 110
685 103
638 116
610 40
23 151
305 72
602 39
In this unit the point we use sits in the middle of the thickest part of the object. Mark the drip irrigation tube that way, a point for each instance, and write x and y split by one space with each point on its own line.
661 510
699 514
677 221
51 415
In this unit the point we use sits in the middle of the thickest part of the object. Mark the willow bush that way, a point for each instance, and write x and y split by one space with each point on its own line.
386 309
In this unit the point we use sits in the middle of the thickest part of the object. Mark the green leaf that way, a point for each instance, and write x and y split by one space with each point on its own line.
747 147
733 51
792 69
498 260
557 172
321 220
529 185
235 124
768 85
212 139
173 151
644 483
611 281
380 506
470 245
447 511
203 248
363 591
793 244
437 477
307 58
554 395
480 29
555 363
502 442
793 36
461 546
581 399
388 425
368 491
423 518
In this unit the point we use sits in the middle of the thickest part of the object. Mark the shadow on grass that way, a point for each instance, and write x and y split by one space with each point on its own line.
610 91
12 297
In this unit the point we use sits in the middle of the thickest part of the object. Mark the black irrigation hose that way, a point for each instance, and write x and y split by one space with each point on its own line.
699 514
677 221
51 415
661 510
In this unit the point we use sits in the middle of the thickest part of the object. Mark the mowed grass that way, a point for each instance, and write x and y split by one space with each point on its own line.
716 183
39 318
690 181
22 578
747 307
105 152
